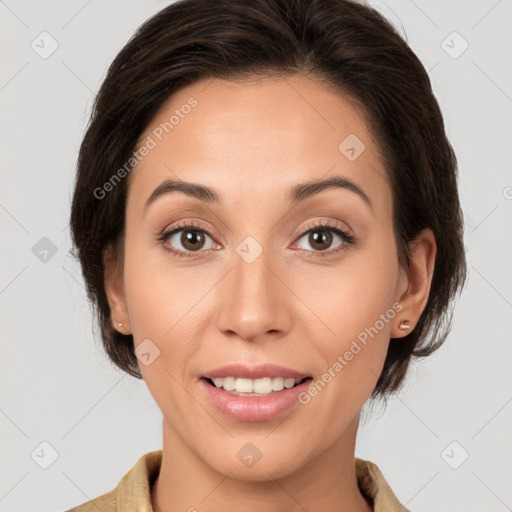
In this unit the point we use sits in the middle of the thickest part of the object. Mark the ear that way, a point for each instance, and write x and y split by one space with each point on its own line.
415 283
114 289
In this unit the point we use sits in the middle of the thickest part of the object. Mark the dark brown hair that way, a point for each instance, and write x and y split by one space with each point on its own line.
346 44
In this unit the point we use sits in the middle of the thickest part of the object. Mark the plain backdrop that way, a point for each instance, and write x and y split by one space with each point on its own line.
444 444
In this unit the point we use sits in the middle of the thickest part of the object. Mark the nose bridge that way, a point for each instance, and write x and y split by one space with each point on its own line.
251 268
252 303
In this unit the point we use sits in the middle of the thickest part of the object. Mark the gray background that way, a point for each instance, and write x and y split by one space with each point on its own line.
57 386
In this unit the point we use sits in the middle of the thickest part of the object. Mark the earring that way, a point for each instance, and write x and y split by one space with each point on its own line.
402 325
120 324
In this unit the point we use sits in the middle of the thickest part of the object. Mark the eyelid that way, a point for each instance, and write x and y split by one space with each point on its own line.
192 223
326 224
348 238
198 223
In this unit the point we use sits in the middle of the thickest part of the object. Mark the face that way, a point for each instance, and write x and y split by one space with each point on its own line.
262 276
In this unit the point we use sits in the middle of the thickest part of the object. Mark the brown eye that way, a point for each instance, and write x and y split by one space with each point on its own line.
186 240
192 240
320 239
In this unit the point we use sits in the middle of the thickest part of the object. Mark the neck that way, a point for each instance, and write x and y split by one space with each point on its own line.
325 482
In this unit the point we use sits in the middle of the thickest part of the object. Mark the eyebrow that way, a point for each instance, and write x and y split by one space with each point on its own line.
297 193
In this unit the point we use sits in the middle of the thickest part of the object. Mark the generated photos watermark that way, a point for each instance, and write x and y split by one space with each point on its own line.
343 359
144 149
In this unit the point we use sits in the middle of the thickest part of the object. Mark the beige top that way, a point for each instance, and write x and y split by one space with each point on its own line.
133 493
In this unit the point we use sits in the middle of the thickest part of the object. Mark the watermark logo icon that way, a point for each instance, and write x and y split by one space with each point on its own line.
249 454
44 455
454 455
249 249
44 250
352 147
44 45
147 352
454 45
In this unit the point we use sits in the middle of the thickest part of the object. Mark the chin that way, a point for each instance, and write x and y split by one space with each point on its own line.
254 464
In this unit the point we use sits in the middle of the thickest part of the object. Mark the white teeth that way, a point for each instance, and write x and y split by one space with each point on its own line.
244 385
254 387
289 383
277 383
218 381
263 386
228 383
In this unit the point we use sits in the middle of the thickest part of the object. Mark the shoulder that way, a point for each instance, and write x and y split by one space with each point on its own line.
376 489
133 490
106 503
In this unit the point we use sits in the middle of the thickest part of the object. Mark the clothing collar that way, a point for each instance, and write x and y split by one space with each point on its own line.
134 489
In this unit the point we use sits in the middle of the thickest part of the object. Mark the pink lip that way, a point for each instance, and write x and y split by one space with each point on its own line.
255 372
253 408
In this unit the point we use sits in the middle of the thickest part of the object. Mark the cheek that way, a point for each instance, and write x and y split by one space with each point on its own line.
156 292
352 344
351 296
354 306
160 301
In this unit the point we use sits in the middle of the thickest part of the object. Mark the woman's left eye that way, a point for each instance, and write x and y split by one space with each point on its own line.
322 236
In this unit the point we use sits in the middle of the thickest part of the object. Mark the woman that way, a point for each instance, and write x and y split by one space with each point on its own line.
267 218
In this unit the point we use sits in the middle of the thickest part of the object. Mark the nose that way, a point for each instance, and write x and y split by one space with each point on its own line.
254 302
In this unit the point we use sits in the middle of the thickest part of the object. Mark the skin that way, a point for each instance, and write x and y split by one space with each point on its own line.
251 141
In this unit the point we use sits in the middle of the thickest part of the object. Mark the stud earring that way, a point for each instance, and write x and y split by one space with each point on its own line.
403 325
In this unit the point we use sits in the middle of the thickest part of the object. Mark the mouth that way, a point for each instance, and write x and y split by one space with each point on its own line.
254 400
254 393
264 386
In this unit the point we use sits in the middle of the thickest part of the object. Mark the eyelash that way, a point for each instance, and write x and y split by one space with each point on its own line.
348 239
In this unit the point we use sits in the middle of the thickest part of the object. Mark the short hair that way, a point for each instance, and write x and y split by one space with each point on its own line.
351 47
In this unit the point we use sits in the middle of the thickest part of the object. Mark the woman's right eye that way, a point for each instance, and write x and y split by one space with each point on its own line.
186 240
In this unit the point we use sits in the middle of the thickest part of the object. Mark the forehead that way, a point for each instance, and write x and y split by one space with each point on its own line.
257 138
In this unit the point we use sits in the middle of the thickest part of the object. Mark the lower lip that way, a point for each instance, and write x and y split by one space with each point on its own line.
254 408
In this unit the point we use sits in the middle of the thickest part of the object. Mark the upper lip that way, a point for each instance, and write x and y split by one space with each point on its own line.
255 372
